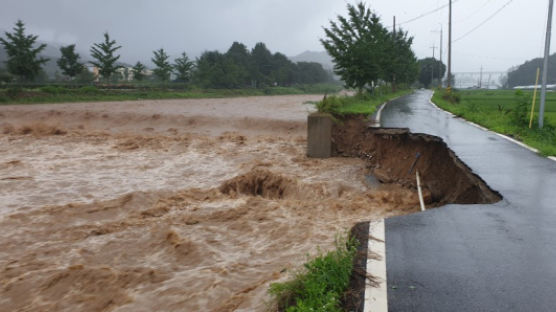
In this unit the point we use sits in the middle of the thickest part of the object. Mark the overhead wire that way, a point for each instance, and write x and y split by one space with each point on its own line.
483 22
428 13
474 13
425 14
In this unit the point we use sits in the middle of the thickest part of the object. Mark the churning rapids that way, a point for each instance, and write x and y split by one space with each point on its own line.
189 205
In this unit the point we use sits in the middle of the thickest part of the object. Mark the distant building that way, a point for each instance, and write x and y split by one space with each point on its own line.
531 87
125 73
93 69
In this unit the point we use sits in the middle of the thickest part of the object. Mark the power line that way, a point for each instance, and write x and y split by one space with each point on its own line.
474 13
485 21
425 14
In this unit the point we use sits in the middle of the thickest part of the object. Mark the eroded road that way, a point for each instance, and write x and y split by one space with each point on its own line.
497 257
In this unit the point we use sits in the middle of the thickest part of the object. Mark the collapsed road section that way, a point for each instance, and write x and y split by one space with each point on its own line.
394 155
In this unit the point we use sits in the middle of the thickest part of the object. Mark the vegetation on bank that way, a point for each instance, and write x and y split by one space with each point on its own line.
362 103
506 112
322 283
61 94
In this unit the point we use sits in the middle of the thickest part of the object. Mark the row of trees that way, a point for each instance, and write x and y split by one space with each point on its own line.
25 63
239 67
236 68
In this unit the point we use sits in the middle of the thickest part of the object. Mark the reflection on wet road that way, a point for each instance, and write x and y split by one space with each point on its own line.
496 257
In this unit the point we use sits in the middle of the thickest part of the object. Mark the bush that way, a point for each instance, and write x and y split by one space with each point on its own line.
54 90
330 104
323 283
14 92
88 89
453 97
519 115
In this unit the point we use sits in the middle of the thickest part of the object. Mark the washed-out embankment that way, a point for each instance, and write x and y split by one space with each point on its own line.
394 155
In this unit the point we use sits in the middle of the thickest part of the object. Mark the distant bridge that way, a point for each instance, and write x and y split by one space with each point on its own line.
488 80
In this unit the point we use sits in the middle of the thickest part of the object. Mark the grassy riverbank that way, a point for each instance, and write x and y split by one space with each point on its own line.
321 285
361 103
64 94
506 112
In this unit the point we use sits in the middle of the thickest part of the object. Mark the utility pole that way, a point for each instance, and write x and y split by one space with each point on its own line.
440 65
481 78
545 62
449 86
440 76
394 74
432 64
394 26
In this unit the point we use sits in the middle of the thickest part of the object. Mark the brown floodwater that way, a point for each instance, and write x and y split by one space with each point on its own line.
177 205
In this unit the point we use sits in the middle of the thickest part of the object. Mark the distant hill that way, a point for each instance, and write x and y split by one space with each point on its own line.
318 57
525 74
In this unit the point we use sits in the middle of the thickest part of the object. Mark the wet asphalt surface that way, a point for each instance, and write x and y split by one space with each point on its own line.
497 257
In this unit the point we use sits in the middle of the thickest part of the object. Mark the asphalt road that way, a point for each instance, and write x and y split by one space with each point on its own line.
498 257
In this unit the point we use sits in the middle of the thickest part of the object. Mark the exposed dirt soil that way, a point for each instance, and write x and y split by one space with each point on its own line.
394 156
189 205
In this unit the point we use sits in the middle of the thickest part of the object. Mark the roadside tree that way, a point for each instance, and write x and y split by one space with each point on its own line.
365 52
430 69
23 58
163 68
400 65
104 54
357 45
69 62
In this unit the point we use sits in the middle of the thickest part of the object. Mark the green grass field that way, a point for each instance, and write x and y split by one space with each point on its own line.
362 103
61 94
506 112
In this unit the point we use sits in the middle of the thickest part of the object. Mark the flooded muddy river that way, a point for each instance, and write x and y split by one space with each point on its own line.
177 205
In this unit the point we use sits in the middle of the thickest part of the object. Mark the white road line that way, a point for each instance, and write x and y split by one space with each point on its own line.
377 118
532 149
376 298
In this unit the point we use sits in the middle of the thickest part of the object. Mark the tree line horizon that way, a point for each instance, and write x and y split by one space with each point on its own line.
236 68
364 51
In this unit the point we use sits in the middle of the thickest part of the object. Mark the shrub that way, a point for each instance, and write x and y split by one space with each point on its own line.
329 104
13 92
322 284
519 115
55 90
88 89
453 97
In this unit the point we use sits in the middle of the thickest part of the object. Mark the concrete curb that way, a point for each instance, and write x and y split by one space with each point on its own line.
376 293
532 149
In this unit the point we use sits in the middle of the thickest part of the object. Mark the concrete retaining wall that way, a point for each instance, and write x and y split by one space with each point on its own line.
319 135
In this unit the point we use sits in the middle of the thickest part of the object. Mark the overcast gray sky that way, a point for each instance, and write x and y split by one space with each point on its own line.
514 35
